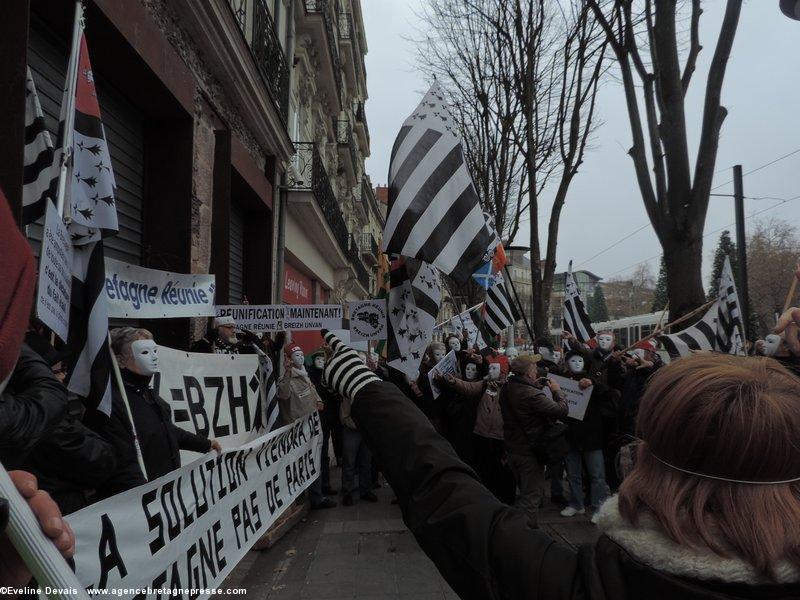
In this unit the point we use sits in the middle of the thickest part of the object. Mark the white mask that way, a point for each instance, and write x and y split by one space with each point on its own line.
145 357
575 364
297 358
605 341
772 344
319 362
556 356
454 344
470 372
438 355
512 353
547 354
494 371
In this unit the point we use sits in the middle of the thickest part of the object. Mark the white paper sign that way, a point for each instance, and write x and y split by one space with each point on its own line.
135 292
188 529
283 317
218 396
367 319
577 399
447 366
55 274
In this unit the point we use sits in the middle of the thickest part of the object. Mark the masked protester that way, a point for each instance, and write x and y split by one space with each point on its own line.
460 413
640 366
586 442
549 361
511 353
329 418
488 438
527 413
159 438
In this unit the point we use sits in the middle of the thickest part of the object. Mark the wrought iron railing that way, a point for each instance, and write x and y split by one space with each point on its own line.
355 259
368 196
321 7
346 30
360 114
369 245
309 174
344 136
256 24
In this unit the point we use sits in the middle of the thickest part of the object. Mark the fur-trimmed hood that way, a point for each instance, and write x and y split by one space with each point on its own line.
649 545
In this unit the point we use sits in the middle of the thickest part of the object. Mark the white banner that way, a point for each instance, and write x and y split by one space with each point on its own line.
55 274
283 317
367 319
135 292
218 396
188 529
577 399
447 366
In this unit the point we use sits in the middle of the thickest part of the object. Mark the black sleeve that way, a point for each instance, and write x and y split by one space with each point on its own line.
78 451
191 441
31 406
483 548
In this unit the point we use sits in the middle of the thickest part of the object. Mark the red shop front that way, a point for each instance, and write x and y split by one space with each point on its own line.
299 289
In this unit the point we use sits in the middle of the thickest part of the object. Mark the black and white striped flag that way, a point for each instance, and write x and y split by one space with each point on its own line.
576 320
40 174
267 417
414 298
721 328
434 212
498 310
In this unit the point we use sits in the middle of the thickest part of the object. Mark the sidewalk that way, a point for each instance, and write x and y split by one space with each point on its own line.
362 552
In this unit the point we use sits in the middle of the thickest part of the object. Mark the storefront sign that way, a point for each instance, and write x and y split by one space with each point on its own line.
55 274
139 293
367 319
282 317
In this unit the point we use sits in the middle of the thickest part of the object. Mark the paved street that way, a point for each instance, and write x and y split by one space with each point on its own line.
362 552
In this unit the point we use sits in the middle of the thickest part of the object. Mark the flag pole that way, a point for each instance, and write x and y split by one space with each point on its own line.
69 114
519 304
685 317
124 394
790 296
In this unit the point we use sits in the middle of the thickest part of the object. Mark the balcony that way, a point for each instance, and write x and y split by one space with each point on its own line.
352 53
362 275
319 25
368 197
369 248
346 146
255 23
314 204
362 131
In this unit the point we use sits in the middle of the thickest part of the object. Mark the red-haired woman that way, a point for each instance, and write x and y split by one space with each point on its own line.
711 509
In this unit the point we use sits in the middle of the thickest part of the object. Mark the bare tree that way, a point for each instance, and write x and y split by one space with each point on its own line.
645 38
525 74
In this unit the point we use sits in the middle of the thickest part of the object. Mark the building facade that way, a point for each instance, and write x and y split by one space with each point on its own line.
214 111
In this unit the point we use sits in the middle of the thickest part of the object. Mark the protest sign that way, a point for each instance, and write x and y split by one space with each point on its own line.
577 399
218 396
188 529
55 274
283 317
367 319
139 293
447 366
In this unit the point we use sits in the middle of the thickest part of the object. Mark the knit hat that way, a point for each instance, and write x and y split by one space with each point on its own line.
224 320
648 345
291 348
18 274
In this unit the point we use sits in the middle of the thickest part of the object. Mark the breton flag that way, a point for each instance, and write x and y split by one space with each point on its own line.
720 329
266 418
40 174
89 194
465 322
498 310
576 321
434 212
414 298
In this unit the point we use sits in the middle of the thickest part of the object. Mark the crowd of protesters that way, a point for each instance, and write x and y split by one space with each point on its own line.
690 469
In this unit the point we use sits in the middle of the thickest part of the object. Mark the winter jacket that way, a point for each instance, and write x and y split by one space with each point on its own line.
589 433
489 418
633 385
31 406
487 550
71 460
526 410
330 400
159 438
297 396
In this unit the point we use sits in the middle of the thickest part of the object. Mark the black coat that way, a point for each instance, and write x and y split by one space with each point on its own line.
159 438
32 405
486 549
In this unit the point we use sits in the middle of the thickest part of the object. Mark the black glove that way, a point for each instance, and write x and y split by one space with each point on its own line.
345 372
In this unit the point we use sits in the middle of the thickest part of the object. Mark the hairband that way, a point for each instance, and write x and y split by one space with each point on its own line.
715 477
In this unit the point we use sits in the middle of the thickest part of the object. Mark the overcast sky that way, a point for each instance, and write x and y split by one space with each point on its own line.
761 92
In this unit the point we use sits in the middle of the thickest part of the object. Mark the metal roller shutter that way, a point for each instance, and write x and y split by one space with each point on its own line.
236 255
124 126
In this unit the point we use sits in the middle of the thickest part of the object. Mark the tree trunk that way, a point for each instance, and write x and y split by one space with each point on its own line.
683 258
